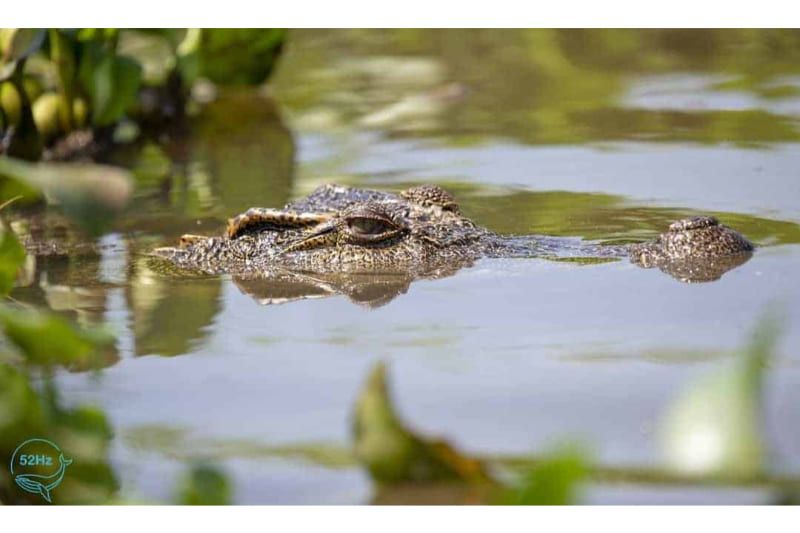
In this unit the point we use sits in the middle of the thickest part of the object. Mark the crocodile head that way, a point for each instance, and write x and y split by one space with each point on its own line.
370 245
341 229
694 250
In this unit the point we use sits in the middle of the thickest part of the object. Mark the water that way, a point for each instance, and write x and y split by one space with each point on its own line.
559 133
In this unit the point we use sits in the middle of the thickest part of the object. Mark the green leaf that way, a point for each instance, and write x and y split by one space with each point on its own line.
714 427
46 339
82 433
188 54
392 453
205 485
240 56
115 88
90 194
554 481
20 409
25 142
19 43
62 54
12 256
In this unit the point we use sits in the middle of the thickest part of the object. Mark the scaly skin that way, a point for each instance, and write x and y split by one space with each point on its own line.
421 233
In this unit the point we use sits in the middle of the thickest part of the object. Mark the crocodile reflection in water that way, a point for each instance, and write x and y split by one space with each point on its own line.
370 245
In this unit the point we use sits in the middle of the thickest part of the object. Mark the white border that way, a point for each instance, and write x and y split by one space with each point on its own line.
402 519
402 13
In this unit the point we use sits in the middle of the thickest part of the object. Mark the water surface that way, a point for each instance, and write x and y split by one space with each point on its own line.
597 135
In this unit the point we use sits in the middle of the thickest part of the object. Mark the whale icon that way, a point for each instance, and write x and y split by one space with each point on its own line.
38 484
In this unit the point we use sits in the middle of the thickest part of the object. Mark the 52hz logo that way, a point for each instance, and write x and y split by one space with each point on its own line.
35 460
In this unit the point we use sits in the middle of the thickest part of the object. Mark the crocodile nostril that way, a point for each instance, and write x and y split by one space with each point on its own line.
698 222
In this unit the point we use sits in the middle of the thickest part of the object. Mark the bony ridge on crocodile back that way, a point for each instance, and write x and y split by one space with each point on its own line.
422 233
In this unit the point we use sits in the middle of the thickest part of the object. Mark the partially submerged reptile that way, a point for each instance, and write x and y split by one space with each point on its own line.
339 233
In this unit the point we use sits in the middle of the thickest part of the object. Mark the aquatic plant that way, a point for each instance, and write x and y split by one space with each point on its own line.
714 426
57 82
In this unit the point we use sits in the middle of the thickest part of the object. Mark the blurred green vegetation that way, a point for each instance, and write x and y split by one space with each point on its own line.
35 343
542 86
394 454
554 480
714 427
27 411
204 484
59 81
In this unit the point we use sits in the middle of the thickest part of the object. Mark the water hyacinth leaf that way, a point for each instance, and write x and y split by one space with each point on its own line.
7 70
204 485
114 88
393 454
90 194
20 409
12 256
111 82
10 102
714 428
19 43
24 141
153 50
240 56
62 53
94 34
46 114
188 53
83 433
43 339
46 339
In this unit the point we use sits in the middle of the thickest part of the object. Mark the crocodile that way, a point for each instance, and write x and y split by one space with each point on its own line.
341 239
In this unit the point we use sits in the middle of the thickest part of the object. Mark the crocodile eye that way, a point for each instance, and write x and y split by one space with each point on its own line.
369 226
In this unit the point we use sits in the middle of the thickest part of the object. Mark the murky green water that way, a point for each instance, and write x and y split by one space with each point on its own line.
601 135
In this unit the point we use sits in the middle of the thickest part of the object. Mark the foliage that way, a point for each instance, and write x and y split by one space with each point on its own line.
394 454
240 56
204 484
714 427
29 405
90 194
11 257
552 481
54 82
46 339
569 86
26 412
